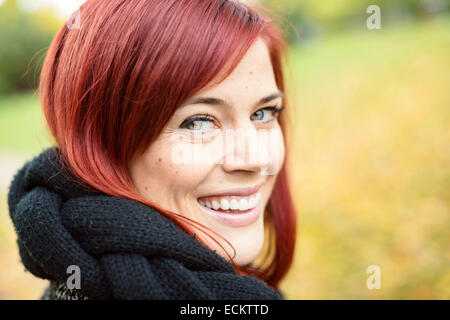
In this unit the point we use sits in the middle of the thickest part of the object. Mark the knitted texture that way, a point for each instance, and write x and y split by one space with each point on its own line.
60 291
124 249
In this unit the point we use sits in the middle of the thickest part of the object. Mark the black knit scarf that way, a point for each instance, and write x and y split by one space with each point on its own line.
124 249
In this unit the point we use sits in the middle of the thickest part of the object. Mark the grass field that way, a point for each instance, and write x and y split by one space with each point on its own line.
369 159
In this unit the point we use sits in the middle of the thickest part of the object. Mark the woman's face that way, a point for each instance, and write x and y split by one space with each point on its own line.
220 170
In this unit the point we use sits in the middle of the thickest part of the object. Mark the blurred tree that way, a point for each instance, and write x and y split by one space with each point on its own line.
24 37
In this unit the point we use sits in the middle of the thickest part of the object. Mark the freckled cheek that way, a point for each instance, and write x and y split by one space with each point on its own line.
186 174
182 176
268 189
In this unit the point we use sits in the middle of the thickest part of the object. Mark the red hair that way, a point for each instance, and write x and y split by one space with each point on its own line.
108 88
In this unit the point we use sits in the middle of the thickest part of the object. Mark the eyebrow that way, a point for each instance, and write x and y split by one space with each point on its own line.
221 102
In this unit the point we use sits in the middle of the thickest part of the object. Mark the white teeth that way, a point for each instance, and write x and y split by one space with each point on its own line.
243 205
202 203
234 205
224 204
255 200
252 202
208 205
215 205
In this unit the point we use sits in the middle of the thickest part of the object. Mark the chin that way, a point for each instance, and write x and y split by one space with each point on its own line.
247 243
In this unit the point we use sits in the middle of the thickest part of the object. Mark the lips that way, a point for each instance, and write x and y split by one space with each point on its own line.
239 209
236 218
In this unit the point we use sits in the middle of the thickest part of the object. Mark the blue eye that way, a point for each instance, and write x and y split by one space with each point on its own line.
200 122
262 113
197 123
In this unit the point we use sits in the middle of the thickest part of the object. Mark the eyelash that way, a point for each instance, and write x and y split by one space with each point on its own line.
207 117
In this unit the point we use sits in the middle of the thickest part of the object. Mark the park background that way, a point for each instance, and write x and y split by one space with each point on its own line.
369 141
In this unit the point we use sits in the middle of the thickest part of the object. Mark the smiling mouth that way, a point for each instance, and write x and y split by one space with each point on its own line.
231 204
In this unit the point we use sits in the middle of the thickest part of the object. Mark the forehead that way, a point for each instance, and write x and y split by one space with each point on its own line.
252 78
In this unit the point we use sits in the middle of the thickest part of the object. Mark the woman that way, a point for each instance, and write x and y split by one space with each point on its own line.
122 208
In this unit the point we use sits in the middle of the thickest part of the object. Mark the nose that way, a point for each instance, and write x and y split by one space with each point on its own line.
246 149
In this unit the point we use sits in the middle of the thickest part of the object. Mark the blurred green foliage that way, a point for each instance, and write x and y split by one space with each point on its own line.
306 19
24 38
